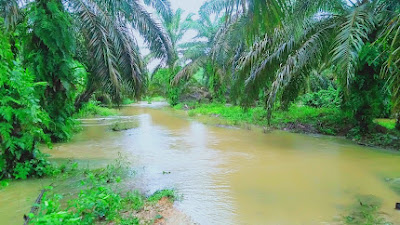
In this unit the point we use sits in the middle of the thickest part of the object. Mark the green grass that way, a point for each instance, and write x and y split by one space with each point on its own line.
325 120
92 109
365 211
303 119
157 99
158 195
388 123
233 113
98 199
121 126
127 101
154 99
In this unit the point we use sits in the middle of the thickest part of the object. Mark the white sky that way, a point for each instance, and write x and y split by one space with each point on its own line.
189 6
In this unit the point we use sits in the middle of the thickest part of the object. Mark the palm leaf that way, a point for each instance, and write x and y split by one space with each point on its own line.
190 69
352 36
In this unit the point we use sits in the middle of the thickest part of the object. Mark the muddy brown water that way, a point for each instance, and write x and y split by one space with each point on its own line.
227 176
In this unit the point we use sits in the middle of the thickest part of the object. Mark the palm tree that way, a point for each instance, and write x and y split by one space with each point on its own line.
175 27
236 27
209 50
110 50
104 30
391 69
305 36
116 20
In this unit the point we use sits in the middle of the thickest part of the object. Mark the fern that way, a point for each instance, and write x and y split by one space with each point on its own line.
21 118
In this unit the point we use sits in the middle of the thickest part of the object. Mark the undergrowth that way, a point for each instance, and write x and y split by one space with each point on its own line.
303 119
321 118
93 109
99 199
365 211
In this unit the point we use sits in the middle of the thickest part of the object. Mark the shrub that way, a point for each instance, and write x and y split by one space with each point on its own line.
322 98
21 120
49 50
92 109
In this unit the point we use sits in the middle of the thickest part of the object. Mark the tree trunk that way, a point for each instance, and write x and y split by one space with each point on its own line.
398 121
83 98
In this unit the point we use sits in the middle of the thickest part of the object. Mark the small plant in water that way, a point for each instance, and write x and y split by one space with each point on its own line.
365 211
158 195
121 125
98 201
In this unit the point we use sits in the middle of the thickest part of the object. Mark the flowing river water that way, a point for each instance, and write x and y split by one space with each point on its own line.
227 175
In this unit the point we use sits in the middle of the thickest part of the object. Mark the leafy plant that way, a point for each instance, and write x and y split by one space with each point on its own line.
93 109
49 50
21 119
158 195
322 98
96 202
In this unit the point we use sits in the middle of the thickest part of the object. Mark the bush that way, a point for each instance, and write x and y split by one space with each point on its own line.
368 97
49 50
22 120
322 98
98 202
92 109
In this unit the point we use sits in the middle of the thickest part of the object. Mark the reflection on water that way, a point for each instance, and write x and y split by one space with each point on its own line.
228 176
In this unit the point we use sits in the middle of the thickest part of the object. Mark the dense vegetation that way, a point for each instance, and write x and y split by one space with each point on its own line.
96 197
264 56
286 56
57 55
325 66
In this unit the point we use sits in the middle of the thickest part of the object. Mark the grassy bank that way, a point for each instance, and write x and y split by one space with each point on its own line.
93 109
302 119
100 199
365 210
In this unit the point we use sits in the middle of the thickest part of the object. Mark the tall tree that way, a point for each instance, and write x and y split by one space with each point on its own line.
21 118
391 69
49 51
175 27
199 53
107 43
306 35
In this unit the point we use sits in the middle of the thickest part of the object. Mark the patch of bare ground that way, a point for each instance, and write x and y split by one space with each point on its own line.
161 213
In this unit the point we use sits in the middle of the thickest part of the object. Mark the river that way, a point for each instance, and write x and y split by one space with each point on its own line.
227 175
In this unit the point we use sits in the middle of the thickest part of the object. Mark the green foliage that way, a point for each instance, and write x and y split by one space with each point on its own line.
304 119
92 109
49 51
234 114
365 211
124 125
217 88
130 221
98 201
388 123
21 120
92 204
367 94
134 200
39 167
257 115
323 120
160 84
322 98
128 101
158 195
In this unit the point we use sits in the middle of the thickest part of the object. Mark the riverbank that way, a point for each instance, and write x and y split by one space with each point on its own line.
100 196
300 119
168 150
103 194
